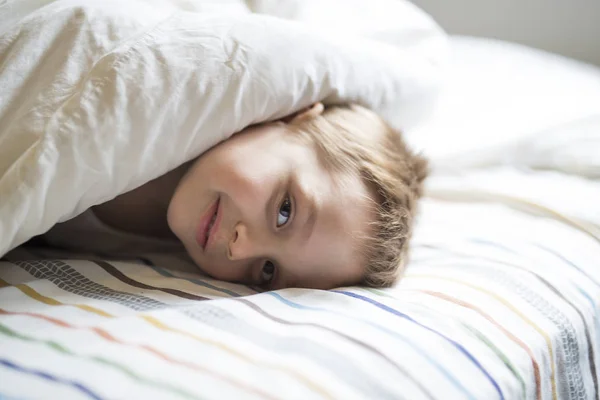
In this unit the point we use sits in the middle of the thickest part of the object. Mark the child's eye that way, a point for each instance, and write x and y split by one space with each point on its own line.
267 273
285 212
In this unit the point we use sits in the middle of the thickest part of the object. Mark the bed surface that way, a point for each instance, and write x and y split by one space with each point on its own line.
500 300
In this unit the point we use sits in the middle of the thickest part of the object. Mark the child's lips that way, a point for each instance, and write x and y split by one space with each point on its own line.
207 229
212 232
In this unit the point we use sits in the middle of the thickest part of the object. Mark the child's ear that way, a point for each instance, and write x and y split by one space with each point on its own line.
305 114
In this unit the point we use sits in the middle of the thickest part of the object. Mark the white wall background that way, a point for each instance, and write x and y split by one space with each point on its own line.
568 27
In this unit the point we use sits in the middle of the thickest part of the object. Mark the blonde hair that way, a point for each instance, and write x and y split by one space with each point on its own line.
353 139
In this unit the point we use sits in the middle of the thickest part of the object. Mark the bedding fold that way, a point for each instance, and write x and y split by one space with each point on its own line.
98 98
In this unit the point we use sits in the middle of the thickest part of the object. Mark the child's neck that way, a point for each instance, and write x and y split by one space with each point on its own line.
143 211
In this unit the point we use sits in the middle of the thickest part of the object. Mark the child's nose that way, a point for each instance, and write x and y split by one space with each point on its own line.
242 245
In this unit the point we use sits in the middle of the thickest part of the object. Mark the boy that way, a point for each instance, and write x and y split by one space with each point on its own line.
321 199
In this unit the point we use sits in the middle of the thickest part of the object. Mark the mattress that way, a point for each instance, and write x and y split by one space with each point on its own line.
500 299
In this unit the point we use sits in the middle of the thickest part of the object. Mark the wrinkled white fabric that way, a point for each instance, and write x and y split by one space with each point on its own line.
97 98
507 104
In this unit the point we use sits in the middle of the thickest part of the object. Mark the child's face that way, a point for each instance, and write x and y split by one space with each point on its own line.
281 218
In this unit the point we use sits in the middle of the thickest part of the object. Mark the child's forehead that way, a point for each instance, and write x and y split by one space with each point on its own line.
346 197
345 184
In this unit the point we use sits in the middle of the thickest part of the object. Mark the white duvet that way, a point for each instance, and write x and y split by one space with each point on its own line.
517 126
97 98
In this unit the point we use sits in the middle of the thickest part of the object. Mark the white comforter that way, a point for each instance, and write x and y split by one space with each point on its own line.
97 98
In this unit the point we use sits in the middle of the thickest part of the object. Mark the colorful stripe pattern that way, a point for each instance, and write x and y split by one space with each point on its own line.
485 316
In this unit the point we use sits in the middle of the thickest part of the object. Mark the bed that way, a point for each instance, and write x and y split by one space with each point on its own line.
500 300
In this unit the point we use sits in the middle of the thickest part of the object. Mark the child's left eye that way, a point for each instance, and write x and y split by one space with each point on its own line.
285 212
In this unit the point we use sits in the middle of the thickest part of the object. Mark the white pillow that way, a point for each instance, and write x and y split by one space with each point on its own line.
98 98
504 103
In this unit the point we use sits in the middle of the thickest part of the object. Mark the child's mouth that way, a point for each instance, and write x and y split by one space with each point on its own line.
207 226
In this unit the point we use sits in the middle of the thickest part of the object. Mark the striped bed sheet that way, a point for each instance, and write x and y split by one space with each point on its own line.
500 302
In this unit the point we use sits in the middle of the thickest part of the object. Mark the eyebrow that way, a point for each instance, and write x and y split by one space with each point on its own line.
311 207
